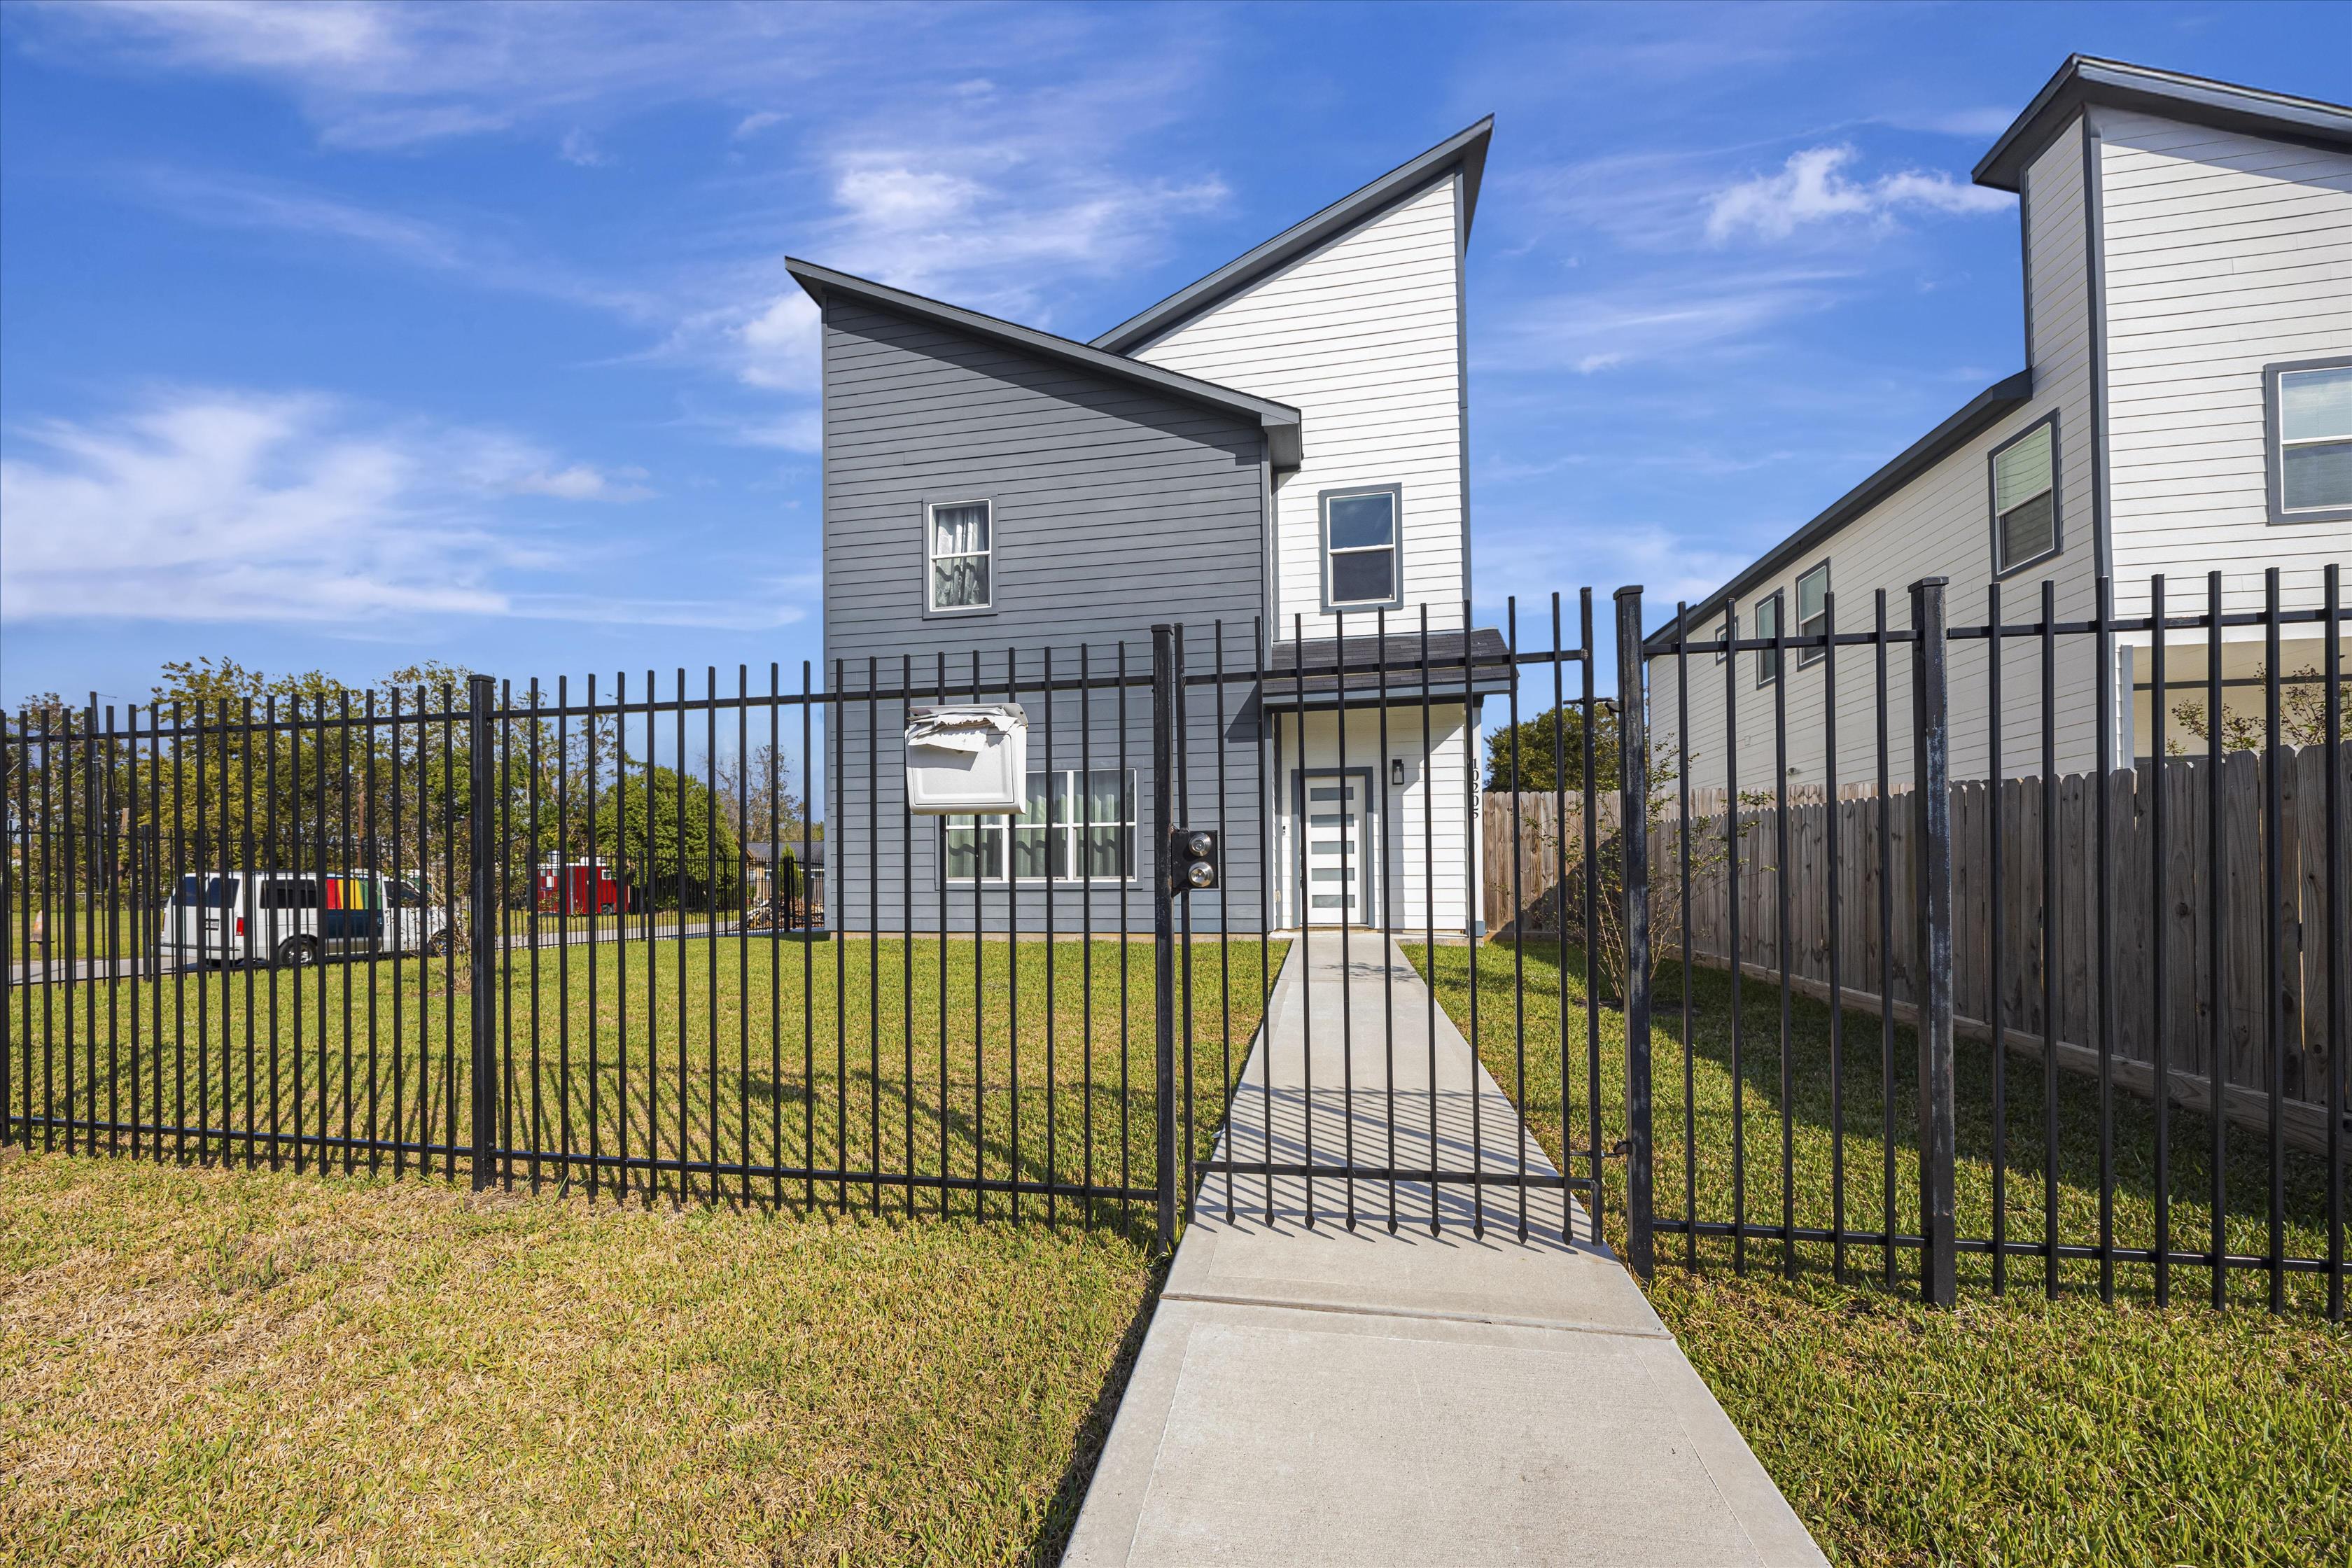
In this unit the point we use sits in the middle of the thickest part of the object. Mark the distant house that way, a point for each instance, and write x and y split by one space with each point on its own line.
2185 408
1270 450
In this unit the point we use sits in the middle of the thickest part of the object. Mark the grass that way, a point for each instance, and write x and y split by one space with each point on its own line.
2016 1429
206 1364
846 1056
202 1366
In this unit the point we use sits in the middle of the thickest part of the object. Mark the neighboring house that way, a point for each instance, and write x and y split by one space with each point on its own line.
2186 408
1273 455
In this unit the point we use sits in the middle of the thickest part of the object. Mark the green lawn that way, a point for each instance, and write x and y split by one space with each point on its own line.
209 1366
2015 1430
199 1365
843 1057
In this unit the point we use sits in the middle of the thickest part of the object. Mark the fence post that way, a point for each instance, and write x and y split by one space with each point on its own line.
479 927
1633 831
1163 927
8 957
1931 868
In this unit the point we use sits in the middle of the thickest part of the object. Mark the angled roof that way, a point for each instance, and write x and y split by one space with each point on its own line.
1284 437
2001 398
1465 149
2115 84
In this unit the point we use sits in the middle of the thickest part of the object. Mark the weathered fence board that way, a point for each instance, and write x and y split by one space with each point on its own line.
2136 923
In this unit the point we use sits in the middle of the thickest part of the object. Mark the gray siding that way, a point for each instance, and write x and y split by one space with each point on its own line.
1114 507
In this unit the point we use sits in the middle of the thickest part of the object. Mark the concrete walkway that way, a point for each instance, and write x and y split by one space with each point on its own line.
1317 1395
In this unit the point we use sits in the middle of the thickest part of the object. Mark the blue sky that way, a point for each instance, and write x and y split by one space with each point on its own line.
349 337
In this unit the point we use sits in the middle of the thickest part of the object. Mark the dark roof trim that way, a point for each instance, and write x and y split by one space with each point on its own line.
1492 671
2083 79
1284 436
1466 149
1985 409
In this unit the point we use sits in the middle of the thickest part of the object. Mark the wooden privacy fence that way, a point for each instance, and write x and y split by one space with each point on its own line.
1538 828
2156 951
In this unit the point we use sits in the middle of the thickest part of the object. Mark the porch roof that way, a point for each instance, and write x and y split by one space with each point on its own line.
1319 663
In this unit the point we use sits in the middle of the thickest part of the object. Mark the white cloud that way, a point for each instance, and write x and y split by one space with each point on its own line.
1606 329
581 482
579 148
799 431
751 124
1809 189
1668 565
1985 120
207 505
399 76
228 201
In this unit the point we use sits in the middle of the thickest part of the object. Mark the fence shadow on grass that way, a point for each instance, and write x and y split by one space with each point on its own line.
1799 1126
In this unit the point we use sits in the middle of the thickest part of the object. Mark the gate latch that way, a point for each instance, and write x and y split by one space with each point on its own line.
1193 860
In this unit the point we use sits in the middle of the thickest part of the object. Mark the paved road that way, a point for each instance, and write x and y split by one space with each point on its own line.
1323 1395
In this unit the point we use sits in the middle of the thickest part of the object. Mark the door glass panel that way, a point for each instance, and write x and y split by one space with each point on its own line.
1338 878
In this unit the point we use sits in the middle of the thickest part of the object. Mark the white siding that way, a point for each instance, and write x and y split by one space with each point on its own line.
1939 524
1363 336
1436 786
2224 253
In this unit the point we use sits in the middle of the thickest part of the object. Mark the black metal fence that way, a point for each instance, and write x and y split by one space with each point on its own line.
307 931
2153 947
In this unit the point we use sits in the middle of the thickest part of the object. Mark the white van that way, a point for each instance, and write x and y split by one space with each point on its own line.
291 919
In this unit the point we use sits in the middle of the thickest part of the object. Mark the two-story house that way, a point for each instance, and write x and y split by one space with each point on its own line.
1272 456
2185 408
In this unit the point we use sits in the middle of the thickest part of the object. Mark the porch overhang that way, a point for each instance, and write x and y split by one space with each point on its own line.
1369 672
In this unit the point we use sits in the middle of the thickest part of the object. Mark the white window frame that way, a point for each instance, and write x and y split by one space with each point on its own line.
931 558
1767 670
1394 547
1809 655
2274 443
2002 568
1000 829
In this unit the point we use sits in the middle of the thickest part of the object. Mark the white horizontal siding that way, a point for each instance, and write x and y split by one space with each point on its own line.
2224 253
1402 872
1363 336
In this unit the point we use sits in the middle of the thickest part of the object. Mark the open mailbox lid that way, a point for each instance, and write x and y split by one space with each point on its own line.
967 758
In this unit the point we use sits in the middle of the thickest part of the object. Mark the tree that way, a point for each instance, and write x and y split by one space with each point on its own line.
744 799
1521 757
2302 718
681 848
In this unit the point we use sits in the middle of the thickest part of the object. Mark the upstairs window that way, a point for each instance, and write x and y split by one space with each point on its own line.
1360 527
1725 638
2309 418
1813 612
960 556
1767 624
2025 498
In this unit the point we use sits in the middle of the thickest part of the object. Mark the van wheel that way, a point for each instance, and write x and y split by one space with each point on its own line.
437 944
297 953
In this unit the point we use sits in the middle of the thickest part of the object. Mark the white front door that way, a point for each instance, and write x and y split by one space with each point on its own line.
1339 848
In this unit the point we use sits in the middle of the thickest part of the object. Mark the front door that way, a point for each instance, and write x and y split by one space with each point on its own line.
1339 843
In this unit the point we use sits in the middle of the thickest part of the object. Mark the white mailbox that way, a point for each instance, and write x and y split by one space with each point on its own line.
972 759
